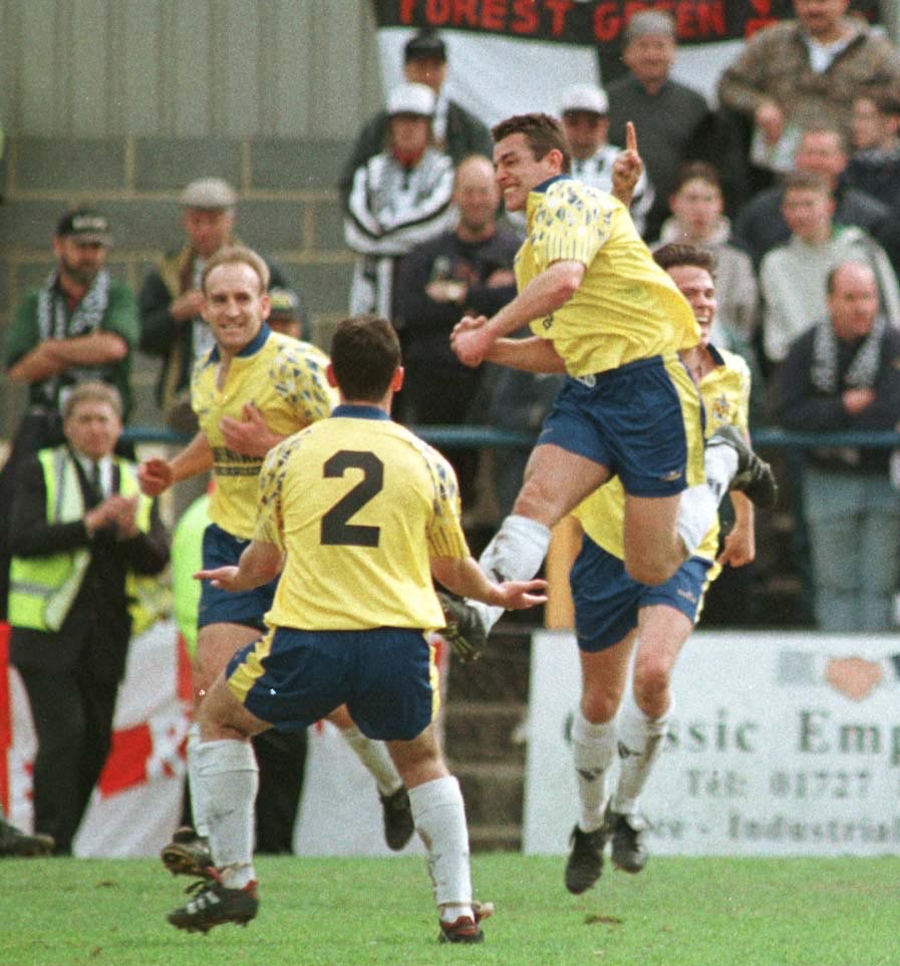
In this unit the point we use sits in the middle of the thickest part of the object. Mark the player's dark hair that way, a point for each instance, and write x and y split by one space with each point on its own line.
675 255
365 353
238 255
542 133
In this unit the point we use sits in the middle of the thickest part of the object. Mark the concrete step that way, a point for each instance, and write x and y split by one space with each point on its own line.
495 838
486 700
476 731
493 791
500 674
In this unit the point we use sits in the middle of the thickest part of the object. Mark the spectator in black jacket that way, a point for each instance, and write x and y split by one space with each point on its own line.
875 165
844 373
466 271
674 123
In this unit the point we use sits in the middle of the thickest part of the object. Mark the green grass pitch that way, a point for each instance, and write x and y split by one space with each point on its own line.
336 912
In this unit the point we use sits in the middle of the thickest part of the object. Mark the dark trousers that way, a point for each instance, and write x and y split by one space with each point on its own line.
436 395
281 756
73 714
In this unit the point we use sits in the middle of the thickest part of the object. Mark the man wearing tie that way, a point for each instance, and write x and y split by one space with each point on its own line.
80 533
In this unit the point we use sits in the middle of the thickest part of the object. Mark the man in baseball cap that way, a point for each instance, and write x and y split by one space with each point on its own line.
80 325
584 110
286 315
454 129
85 226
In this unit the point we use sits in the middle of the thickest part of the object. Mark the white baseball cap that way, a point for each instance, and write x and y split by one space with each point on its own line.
584 97
411 99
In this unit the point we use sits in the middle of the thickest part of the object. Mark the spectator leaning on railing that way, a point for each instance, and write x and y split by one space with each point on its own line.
844 373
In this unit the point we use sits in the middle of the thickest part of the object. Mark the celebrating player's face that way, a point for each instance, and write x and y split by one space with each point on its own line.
234 307
517 170
697 286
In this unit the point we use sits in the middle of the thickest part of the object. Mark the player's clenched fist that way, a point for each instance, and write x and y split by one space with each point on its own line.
468 340
154 476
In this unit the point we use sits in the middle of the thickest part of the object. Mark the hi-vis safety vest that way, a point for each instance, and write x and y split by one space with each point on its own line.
42 589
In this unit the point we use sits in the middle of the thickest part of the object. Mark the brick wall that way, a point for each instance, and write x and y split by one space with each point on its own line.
288 209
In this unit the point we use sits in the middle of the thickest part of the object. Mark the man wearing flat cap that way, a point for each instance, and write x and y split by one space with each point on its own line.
170 298
584 111
674 123
454 129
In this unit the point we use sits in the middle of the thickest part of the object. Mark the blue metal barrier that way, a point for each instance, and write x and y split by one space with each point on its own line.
489 437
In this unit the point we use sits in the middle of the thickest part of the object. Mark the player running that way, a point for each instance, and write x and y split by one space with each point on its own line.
361 514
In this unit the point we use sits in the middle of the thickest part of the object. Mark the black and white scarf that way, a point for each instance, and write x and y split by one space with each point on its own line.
55 323
863 369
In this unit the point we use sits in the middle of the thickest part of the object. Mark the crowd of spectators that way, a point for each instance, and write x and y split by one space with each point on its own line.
812 103
793 172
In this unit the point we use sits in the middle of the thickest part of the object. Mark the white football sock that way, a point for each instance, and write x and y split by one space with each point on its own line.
700 504
593 751
641 741
228 776
201 826
440 818
374 755
720 463
515 553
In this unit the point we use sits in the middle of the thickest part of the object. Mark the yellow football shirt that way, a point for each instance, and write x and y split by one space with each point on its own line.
626 308
360 505
726 398
285 380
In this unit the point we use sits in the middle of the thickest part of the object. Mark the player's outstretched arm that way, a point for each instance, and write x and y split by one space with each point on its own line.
533 354
466 578
260 563
543 295
155 475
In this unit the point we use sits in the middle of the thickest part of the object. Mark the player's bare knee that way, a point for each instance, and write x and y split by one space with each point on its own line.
651 685
600 706
649 571
537 501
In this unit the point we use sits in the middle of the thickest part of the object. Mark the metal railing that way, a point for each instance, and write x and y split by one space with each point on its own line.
490 437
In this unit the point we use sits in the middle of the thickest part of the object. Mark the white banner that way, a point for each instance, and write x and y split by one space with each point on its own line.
137 804
765 756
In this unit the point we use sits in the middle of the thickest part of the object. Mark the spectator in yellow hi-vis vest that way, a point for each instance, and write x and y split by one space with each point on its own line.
79 531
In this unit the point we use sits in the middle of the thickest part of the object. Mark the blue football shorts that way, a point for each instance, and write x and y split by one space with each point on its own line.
642 421
223 549
386 676
607 600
